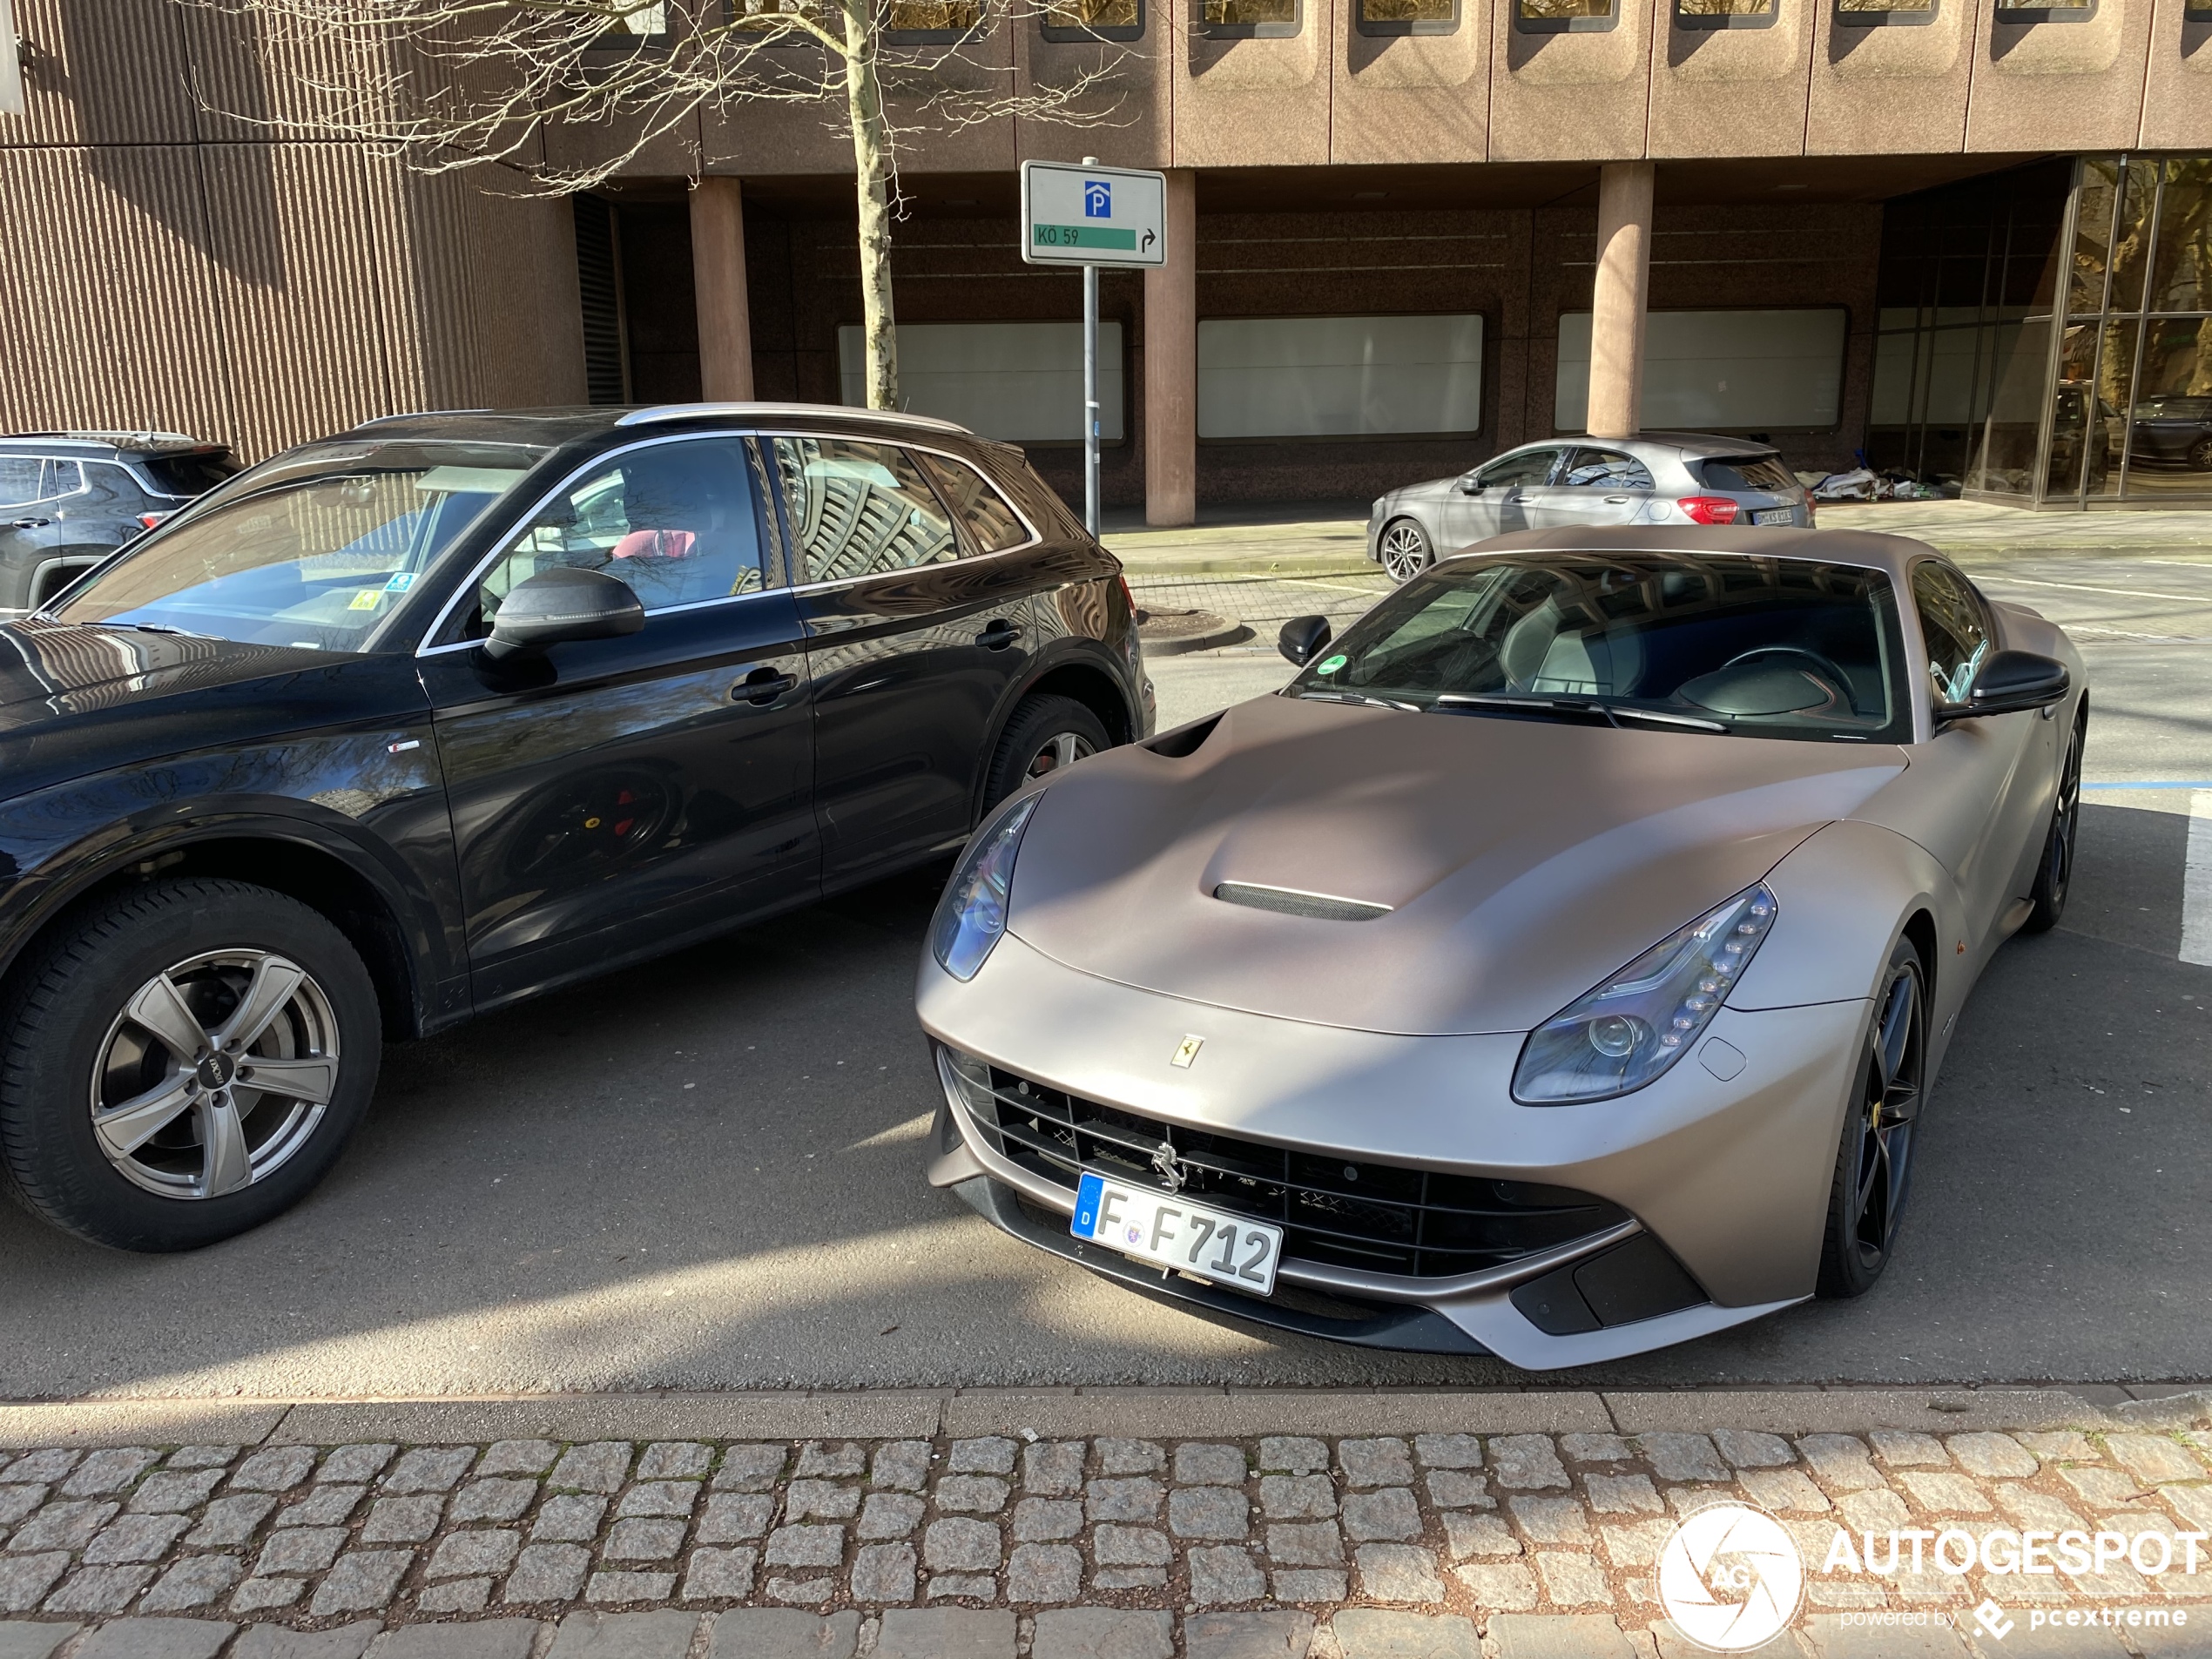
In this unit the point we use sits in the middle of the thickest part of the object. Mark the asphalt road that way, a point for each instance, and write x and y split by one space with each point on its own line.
705 1174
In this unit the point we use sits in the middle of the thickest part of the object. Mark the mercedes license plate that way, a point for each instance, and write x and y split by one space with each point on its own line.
1774 516
1168 1229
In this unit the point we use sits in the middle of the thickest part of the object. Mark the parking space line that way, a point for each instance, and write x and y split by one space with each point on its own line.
2083 586
2196 883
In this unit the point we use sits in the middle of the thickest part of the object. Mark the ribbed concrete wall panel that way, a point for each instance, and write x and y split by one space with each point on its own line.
258 85
101 72
530 322
108 311
297 269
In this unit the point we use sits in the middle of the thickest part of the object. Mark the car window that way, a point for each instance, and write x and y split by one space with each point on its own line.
1749 473
63 478
994 525
1757 647
19 477
1955 627
674 521
109 482
860 508
1524 467
190 473
314 550
1605 469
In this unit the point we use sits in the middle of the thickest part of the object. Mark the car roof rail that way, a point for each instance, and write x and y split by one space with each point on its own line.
142 438
660 412
411 415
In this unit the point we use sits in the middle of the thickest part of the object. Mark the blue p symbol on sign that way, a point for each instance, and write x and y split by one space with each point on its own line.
1099 198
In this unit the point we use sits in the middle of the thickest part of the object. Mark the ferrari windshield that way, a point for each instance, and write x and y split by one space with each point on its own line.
1759 647
315 548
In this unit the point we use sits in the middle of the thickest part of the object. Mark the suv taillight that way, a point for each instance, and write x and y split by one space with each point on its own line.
1707 510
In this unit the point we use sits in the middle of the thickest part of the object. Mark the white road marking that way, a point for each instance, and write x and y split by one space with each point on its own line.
2196 883
2083 586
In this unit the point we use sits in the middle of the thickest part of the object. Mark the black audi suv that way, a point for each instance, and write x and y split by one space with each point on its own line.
451 709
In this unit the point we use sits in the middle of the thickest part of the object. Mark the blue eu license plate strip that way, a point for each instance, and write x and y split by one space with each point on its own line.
1151 1225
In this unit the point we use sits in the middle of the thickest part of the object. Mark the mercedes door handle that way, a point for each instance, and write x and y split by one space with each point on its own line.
1617 500
763 686
999 635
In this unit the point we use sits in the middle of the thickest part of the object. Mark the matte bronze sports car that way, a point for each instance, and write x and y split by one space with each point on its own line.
1557 968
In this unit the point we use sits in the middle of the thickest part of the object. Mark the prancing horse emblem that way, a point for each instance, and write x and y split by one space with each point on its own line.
1185 1052
1170 1166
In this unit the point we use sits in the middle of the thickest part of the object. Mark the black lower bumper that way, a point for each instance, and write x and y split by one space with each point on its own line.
1394 1325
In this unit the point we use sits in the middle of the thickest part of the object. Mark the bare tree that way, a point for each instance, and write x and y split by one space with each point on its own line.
525 84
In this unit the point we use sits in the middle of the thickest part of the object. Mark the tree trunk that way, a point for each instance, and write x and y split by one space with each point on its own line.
871 163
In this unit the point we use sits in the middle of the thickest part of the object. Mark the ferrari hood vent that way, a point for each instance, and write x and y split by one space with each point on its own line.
1290 902
1183 741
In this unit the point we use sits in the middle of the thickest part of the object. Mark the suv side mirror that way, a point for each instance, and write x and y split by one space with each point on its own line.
561 604
1303 638
2012 681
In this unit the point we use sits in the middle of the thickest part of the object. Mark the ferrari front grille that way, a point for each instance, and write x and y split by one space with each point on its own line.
1382 1217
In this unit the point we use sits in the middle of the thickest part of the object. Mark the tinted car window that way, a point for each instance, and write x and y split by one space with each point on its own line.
1749 474
1605 469
19 476
993 524
316 555
1957 630
1526 468
675 521
189 475
63 478
109 483
1777 648
860 508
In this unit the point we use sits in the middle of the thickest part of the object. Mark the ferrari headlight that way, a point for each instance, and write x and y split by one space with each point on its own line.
1628 1031
972 915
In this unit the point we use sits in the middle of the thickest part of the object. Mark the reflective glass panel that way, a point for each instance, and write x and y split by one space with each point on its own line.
2182 269
1089 16
2105 441
2131 242
2091 235
2004 456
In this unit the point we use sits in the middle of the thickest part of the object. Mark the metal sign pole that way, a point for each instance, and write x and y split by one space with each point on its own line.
1090 399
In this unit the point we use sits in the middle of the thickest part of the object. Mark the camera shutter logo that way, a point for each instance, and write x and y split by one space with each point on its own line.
1731 1578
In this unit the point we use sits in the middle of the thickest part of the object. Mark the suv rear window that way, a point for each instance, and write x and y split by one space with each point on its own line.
193 474
1749 472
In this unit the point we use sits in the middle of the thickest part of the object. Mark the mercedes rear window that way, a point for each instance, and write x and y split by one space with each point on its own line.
1749 474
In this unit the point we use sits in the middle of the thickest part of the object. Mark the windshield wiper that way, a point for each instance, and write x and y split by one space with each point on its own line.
1690 721
154 628
1356 696
1612 713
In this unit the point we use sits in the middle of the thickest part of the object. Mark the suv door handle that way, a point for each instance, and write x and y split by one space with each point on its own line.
30 523
762 687
1000 634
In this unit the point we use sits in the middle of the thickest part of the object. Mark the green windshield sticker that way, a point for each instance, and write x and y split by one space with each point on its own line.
1330 665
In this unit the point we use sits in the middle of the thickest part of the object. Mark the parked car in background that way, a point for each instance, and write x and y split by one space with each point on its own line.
1656 478
451 710
2172 429
68 499
1557 968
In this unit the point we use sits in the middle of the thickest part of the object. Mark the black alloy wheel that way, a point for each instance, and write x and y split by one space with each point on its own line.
2200 454
1874 1164
2055 874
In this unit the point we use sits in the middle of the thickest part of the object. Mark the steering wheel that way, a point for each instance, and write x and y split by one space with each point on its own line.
1837 680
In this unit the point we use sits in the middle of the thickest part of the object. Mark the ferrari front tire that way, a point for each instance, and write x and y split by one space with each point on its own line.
2054 874
1874 1161
182 1063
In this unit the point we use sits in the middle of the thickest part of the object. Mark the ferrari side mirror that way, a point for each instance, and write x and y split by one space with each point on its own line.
2012 681
1303 638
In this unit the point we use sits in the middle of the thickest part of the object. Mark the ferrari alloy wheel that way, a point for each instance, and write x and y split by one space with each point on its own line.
185 1061
1874 1164
1047 734
2055 874
1405 550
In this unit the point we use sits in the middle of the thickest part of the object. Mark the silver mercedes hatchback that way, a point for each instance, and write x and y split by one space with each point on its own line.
1655 478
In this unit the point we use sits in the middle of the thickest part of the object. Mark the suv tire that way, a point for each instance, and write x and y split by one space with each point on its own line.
1046 734
106 1126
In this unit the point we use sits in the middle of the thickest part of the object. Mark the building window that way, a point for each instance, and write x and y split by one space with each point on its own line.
1564 16
1080 20
1022 381
1726 371
1317 377
1725 14
1873 14
2040 12
1250 19
931 22
644 25
1411 17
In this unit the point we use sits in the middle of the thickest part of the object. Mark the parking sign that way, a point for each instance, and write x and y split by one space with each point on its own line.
1092 215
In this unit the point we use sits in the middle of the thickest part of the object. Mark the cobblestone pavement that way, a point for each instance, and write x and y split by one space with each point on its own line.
1394 1546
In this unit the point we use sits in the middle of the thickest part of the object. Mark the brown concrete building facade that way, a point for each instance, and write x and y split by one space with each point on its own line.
1968 238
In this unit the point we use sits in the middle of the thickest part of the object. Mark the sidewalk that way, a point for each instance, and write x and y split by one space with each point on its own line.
1113 1524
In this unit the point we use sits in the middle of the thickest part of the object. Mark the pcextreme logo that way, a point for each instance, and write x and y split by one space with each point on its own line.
1731 1578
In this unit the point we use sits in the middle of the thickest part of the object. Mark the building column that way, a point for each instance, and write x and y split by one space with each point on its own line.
1622 299
1171 364
717 274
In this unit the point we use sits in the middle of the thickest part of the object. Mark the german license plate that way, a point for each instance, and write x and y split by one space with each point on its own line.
1167 1229
1774 516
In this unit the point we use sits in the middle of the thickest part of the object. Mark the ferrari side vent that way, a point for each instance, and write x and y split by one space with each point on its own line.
1290 902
